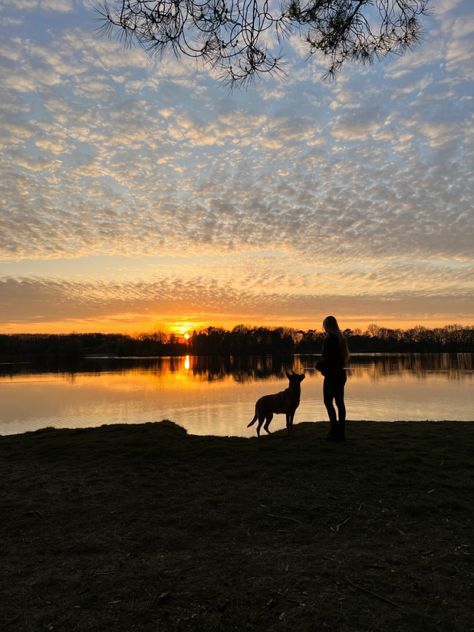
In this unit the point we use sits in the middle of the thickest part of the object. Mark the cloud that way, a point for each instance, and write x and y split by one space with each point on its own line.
61 6
361 186
39 301
124 195
358 125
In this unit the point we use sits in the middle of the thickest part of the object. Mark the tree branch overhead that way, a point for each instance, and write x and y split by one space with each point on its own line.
232 36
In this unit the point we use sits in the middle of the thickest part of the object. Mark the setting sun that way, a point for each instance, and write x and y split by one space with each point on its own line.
184 329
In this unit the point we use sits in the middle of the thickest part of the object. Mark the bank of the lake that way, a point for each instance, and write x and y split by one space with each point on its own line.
143 527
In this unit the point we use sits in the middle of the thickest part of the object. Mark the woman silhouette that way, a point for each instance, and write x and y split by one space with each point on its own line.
334 356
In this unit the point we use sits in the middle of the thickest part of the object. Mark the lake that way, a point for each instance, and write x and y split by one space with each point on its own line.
212 395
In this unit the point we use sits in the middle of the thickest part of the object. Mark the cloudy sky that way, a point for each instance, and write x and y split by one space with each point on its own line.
139 194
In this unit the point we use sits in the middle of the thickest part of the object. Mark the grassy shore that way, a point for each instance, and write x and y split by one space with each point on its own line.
124 528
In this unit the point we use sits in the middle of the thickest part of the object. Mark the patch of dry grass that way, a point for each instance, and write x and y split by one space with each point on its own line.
144 528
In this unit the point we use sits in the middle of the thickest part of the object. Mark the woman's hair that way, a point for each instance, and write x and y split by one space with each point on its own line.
331 326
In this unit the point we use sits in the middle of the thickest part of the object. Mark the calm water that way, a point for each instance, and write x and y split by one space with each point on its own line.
217 395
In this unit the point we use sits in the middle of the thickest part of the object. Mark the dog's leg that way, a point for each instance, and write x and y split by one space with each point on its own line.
261 419
289 421
267 423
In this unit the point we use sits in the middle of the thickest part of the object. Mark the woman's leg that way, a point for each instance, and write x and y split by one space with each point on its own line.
341 407
328 395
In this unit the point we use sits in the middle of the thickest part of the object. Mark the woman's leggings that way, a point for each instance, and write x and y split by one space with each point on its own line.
333 389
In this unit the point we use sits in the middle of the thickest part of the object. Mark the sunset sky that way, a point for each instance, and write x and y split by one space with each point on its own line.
140 194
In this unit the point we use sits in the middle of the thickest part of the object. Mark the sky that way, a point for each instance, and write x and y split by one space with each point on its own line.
140 194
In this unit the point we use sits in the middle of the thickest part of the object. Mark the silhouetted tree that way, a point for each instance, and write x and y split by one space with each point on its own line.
232 36
241 341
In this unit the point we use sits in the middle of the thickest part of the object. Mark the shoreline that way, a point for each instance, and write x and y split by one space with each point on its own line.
318 422
144 527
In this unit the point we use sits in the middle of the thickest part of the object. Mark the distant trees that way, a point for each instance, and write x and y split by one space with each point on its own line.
240 341
448 338
73 347
239 38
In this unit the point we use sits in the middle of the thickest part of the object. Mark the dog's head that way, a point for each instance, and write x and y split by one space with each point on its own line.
295 378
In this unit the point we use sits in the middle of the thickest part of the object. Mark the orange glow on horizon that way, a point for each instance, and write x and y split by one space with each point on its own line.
185 328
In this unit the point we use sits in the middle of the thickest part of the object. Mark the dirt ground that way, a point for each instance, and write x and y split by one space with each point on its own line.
144 528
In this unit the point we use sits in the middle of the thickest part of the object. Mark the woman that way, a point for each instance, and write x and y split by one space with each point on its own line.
334 356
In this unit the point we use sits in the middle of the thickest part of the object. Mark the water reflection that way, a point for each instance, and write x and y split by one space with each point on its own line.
216 395
243 369
453 366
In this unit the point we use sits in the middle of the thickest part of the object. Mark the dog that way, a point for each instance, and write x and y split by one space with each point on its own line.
286 402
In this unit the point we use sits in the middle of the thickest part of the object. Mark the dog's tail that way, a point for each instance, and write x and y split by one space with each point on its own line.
253 420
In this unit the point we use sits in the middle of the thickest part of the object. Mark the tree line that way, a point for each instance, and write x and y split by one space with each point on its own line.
241 340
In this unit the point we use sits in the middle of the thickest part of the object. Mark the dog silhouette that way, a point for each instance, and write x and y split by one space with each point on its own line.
285 402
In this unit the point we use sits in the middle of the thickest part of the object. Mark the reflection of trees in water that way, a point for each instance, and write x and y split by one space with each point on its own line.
244 369
454 366
241 369
251 368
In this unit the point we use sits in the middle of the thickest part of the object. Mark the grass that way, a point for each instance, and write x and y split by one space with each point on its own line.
142 527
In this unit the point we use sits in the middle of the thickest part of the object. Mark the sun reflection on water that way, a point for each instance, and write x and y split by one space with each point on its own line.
214 395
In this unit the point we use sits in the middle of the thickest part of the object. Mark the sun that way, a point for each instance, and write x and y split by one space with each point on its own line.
184 329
